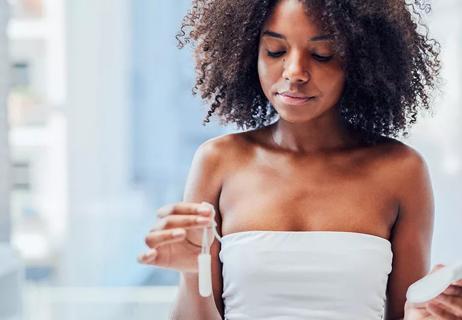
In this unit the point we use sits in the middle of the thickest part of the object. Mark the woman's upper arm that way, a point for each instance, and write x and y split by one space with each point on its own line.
204 184
412 232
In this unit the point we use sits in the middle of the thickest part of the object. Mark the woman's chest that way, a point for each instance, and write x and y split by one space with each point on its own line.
318 197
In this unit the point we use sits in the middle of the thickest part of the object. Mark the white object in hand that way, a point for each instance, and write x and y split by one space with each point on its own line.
204 264
205 274
434 284
204 259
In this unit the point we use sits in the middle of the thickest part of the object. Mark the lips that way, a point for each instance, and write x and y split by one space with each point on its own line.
293 98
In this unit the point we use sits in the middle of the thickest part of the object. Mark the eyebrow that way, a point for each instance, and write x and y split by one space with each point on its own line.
315 38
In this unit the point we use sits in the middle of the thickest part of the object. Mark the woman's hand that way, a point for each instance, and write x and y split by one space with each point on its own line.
175 241
446 306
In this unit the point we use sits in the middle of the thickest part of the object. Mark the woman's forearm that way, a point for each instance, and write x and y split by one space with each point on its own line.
189 305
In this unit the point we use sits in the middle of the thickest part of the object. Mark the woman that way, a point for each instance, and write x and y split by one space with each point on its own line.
323 214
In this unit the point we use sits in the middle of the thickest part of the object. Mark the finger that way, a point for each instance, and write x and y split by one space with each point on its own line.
457 283
159 238
184 208
181 221
451 303
453 290
148 257
156 257
440 312
437 267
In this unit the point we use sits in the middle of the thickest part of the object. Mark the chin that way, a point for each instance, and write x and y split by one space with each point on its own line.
295 119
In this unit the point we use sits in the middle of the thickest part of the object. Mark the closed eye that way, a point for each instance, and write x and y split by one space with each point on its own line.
275 54
322 58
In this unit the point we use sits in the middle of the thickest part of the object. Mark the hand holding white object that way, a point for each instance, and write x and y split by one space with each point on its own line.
437 296
176 240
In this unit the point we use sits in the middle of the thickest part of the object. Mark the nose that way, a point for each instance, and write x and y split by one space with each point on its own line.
296 69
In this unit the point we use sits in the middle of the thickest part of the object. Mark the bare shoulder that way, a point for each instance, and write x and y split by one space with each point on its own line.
228 149
211 153
411 179
208 165
398 151
402 161
218 146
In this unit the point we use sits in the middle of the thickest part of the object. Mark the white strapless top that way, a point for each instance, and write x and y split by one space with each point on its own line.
321 275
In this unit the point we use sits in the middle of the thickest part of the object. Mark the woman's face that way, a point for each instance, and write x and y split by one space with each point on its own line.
298 71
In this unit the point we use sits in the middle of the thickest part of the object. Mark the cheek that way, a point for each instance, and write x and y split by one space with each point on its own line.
332 83
262 74
338 85
267 74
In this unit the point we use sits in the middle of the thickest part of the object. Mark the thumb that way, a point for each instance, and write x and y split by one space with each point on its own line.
411 308
437 267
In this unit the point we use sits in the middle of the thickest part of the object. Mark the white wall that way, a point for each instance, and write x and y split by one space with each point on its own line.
104 209
4 154
439 137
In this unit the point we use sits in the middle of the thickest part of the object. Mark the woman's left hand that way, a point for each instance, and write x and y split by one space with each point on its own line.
446 306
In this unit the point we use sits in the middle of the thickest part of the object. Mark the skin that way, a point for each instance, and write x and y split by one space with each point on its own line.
327 178
289 61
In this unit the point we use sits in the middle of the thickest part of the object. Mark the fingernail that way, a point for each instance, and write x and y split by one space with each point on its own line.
177 233
202 220
151 259
204 210
150 256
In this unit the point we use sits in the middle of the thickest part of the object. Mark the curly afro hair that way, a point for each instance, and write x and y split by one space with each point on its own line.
391 64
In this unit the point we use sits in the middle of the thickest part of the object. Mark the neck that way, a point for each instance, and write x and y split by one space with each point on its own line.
318 135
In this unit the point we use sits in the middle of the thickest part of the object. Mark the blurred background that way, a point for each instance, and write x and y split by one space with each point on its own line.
98 128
